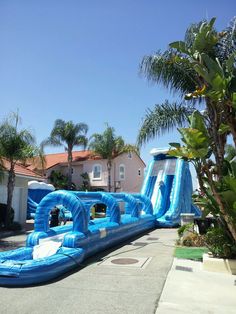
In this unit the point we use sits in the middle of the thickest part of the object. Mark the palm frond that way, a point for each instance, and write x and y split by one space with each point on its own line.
15 145
227 41
171 70
108 145
129 148
38 159
230 152
51 141
161 119
192 32
67 134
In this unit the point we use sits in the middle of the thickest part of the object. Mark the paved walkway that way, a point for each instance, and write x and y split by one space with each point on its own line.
189 289
102 286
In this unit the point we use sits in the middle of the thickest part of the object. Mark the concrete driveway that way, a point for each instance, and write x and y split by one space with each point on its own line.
102 285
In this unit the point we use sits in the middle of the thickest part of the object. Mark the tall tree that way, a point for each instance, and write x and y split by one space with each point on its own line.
15 146
108 146
69 135
201 67
189 68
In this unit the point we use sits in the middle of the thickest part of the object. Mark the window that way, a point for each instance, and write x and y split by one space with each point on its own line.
139 172
122 172
97 172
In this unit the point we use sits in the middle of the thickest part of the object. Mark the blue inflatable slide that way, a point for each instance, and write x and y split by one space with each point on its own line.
51 252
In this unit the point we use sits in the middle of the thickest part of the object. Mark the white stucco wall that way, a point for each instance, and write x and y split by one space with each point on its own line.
20 194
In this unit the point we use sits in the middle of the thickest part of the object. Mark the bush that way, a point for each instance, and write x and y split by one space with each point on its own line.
188 237
220 244
193 239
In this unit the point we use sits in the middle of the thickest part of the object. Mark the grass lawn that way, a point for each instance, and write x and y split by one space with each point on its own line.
193 253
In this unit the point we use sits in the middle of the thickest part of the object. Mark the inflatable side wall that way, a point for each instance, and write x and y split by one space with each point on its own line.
36 192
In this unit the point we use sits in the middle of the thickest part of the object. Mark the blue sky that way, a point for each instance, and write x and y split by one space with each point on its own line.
79 60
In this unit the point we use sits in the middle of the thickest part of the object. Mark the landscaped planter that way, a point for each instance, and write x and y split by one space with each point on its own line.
220 265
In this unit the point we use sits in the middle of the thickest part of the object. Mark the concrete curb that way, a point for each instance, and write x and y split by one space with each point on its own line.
219 265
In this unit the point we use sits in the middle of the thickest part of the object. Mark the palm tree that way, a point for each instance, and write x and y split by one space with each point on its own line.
15 146
69 135
170 69
184 68
108 145
201 66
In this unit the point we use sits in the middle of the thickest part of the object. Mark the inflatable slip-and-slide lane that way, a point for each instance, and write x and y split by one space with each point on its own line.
51 252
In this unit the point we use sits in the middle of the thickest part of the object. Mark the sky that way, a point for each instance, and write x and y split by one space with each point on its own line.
79 60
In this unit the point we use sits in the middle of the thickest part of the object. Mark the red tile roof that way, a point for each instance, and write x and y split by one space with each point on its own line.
54 159
61 158
20 169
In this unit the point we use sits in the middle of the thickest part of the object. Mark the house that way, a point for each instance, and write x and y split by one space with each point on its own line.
126 174
20 194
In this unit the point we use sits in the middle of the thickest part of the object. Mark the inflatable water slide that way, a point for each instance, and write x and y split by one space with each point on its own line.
51 252
168 184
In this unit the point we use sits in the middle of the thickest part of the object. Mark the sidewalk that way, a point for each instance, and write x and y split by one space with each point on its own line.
189 289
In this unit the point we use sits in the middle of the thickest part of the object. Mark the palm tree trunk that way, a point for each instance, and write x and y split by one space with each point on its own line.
109 174
69 168
10 189
219 140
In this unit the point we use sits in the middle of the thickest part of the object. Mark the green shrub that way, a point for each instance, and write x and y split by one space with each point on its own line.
184 228
220 244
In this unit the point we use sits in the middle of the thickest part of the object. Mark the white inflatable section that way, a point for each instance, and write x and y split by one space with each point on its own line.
35 185
158 151
156 187
45 249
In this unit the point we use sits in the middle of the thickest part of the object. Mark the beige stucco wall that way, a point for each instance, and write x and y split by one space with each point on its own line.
76 175
133 181
78 169
88 167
